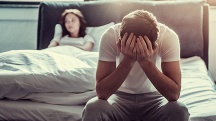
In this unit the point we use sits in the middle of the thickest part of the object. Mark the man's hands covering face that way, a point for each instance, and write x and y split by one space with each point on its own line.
136 48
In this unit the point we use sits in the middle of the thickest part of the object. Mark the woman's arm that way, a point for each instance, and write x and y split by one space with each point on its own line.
53 44
57 36
88 46
71 41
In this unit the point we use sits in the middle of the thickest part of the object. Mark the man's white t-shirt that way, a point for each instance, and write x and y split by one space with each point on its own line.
137 82
66 40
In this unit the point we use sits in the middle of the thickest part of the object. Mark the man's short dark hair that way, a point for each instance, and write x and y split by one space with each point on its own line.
141 23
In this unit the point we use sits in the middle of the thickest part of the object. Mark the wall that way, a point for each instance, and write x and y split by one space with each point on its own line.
212 42
18 28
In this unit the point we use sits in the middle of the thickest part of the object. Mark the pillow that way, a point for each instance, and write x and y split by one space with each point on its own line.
96 33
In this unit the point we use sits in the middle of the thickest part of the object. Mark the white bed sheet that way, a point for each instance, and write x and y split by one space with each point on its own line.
22 110
59 75
198 93
198 90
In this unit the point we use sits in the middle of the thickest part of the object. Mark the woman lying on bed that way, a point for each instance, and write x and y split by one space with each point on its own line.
55 75
71 31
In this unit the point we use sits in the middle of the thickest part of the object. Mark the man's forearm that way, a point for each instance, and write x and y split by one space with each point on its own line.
165 85
110 84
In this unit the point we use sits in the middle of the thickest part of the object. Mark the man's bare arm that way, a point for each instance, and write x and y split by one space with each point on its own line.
109 77
167 82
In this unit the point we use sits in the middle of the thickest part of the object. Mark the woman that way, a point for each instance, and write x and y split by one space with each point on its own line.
72 31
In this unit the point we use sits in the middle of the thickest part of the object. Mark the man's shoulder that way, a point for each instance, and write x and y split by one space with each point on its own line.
165 30
162 26
166 33
113 30
116 27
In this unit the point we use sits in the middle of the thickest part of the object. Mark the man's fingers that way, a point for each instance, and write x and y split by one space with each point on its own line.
123 40
140 47
138 51
132 45
143 43
128 42
155 47
119 44
135 49
149 44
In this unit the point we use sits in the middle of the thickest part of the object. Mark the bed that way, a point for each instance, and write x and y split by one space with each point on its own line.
54 84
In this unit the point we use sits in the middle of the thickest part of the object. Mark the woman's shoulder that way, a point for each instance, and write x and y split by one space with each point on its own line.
58 28
88 37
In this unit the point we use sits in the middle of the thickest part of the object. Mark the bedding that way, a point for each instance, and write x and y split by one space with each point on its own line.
44 75
24 110
66 40
198 93
198 90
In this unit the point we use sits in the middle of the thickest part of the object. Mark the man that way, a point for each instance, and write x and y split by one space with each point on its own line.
138 74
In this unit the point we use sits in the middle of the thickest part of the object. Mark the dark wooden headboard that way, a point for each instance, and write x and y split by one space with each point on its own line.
189 19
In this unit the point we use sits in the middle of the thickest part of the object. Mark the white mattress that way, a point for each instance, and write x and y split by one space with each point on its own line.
198 93
198 90
34 111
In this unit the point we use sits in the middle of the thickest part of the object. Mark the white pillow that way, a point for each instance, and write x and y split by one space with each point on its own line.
96 33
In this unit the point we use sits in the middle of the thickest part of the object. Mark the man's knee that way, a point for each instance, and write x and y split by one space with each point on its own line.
96 104
177 110
96 110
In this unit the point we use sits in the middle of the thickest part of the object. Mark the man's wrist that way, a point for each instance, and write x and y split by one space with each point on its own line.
145 63
129 61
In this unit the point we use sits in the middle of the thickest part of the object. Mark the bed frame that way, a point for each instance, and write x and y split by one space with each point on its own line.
189 19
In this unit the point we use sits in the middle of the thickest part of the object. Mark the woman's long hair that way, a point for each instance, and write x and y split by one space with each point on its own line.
82 20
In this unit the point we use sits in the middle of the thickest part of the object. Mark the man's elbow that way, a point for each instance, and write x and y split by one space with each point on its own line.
102 97
173 97
101 94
